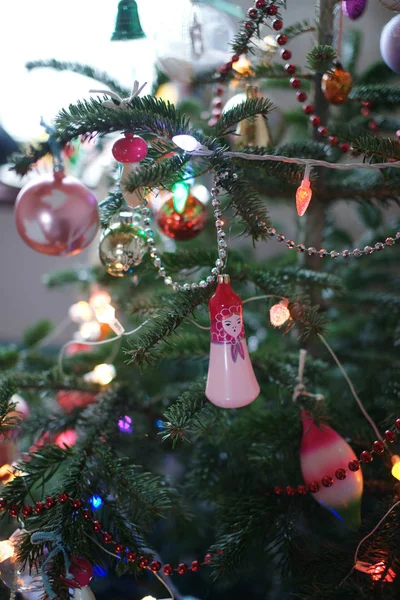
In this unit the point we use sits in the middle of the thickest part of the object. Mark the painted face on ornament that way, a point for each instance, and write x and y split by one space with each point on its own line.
233 325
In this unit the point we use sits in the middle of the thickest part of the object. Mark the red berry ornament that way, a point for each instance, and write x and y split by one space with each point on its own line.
63 498
168 569
286 54
130 149
272 10
182 568
281 40
50 502
196 566
13 510
76 504
97 526
143 562
366 457
155 566
131 556
107 538
378 447
277 24
39 508
27 511
119 548
390 436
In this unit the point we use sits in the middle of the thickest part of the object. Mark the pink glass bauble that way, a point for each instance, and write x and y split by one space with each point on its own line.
323 452
130 149
56 215
231 382
390 44
353 8
82 572
66 438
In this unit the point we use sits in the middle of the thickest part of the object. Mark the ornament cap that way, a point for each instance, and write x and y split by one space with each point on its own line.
224 278
127 25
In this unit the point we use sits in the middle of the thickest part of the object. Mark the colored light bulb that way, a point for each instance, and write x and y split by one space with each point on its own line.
90 331
304 193
279 313
396 466
96 501
180 194
105 313
376 571
99 298
125 424
303 197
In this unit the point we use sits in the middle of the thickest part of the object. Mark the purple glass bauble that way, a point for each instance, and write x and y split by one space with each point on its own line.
56 215
390 44
354 8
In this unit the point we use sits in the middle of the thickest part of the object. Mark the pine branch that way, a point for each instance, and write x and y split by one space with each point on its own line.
376 73
381 94
145 348
167 171
81 69
351 50
298 28
320 58
110 207
9 357
382 148
246 110
83 276
36 333
188 414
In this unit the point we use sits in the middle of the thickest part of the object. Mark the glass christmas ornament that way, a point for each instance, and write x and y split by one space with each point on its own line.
130 149
390 44
122 245
57 215
336 84
127 25
323 452
231 382
353 8
184 225
84 593
66 438
12 573
252 132
279 313
197 41
80 573
69 400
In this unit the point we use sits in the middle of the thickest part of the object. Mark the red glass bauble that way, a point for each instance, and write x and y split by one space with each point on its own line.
69 400
183 225
130 149
81 571
56 215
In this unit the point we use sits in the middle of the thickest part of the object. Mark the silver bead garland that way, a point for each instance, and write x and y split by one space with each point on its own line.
145 214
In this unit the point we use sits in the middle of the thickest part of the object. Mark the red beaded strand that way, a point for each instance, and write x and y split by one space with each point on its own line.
256 16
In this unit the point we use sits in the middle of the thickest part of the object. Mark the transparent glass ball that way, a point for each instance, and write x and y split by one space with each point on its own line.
122 246
196 42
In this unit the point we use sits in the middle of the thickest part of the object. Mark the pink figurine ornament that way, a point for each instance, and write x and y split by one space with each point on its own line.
231 381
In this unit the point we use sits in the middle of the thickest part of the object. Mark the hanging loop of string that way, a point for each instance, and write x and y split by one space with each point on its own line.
55 148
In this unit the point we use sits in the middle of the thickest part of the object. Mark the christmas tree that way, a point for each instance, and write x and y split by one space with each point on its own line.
269 470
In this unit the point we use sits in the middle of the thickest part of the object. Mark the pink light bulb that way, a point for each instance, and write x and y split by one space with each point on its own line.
279 313
231 382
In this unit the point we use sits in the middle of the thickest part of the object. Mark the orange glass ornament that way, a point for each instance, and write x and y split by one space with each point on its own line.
336 85
185 225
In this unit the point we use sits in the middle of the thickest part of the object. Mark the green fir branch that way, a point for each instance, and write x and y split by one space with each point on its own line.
110 207
36 333
146 347
320 58
380 148
81 69
298 28
246 110
351 50
187 414
378 94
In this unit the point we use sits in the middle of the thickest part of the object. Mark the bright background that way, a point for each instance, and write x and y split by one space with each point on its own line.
80 30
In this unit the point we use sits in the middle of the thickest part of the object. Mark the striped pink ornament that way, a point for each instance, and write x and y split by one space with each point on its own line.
322 452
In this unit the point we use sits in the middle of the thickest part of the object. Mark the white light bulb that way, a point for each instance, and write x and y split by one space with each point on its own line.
105 313
102 374
80 312
186 142
90 331
99 298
